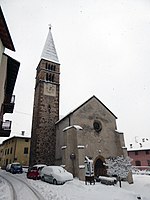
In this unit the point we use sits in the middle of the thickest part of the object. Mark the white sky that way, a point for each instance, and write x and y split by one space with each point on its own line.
103 47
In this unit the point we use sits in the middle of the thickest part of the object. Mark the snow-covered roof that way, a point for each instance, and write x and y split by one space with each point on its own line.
139 143
16 137
77 127
49 52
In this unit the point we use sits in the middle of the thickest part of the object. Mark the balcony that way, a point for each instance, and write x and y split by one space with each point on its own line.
9 105
5 129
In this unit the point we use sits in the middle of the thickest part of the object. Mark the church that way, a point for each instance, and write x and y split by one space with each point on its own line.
88 131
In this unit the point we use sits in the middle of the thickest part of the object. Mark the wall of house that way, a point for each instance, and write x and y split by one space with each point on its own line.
7 155
12 150
3 71
141 156
21 156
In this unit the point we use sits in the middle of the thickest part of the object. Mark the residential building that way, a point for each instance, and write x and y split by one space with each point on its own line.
139 151
8 74
15 149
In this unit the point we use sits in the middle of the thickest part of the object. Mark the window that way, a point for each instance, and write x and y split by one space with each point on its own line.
136 152
26 150
49 77
148 162
11 150
52 78
7 151
137 163
147 151
46 76
97 125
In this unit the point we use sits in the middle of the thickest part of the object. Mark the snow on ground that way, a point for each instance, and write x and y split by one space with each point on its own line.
4 190
77 190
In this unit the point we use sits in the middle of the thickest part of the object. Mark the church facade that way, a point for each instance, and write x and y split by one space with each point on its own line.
88 131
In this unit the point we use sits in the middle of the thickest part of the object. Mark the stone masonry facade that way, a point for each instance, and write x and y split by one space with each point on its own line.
45 114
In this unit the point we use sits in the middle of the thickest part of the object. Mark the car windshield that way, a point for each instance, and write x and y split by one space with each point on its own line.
59 170
34 168
16 165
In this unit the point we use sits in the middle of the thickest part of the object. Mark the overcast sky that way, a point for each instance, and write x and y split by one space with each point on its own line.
103 48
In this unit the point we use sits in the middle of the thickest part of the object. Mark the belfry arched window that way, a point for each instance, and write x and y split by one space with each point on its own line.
49 67
52 78
47 77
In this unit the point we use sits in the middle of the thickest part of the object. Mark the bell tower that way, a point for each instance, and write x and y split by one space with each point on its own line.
46 106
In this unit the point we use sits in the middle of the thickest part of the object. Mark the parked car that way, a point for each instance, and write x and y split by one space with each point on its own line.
55 175
8 167
35 171
16 168
25 169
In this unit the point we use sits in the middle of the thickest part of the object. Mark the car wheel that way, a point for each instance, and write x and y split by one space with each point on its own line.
42 178
54 182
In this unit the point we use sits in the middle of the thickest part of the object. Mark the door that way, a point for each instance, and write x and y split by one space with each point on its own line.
99 168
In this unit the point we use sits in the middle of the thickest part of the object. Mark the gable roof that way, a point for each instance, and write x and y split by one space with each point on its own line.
4 33
83 105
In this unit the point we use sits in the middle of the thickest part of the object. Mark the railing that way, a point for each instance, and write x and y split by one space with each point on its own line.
9 106
12 99
5 129
6 125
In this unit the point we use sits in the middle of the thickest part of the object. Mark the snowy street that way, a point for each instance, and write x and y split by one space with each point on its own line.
19 188
72 190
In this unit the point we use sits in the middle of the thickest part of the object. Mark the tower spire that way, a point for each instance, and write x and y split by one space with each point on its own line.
49 52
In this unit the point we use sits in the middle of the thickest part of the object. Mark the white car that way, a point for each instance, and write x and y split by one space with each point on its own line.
55 175
8 167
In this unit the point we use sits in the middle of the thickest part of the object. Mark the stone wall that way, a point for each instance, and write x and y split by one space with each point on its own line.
45 114
104 143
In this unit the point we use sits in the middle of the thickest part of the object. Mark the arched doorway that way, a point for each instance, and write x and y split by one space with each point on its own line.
99 167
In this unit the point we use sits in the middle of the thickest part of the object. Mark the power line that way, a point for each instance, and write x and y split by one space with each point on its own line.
23 113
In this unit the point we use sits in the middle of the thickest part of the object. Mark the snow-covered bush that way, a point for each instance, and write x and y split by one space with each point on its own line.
119 167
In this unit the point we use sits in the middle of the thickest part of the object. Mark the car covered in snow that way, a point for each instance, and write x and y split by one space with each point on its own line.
16 168
35 171
55 175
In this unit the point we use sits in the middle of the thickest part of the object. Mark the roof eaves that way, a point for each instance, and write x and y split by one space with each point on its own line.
81 106
4 33
16 137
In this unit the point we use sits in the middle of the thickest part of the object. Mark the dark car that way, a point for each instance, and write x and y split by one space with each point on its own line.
16 168
35 171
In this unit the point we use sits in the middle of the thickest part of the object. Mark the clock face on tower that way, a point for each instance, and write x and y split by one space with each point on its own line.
49 89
